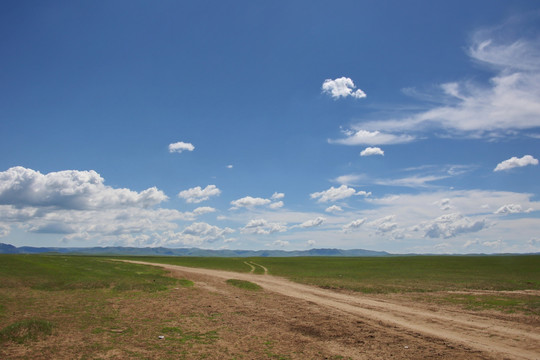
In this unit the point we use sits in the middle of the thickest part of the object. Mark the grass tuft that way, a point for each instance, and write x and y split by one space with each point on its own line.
242 284
185 283
24 330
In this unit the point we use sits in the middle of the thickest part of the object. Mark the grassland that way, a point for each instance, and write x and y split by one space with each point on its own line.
389 274
406 275
94 305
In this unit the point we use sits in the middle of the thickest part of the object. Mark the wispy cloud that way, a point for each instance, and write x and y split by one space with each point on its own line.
313 222
366 137
510 101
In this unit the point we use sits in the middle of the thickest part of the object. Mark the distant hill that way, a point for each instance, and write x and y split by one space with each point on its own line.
161 251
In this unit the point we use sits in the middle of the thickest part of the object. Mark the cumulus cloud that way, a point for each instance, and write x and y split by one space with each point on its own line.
203 210
511 209
206 232
335 194
370 151
342 87
451 225
333 209
263 227
277 196
366 137
514 162
69 189
249 202
384 224
353 225
180 146
197 194
313 222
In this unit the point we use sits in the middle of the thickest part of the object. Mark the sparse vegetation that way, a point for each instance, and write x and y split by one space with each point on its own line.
175 333
26 330
243 284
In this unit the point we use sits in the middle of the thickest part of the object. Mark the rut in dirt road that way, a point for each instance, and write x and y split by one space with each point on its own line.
495 337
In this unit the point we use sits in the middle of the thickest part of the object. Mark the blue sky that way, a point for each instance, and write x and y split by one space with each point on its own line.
271 125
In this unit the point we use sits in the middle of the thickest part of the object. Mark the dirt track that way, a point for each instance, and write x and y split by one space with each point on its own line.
429 332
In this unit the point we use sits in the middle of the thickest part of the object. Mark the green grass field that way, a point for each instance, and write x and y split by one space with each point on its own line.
424 275
389 274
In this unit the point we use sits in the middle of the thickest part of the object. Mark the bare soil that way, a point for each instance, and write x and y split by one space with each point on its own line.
362 327
286 320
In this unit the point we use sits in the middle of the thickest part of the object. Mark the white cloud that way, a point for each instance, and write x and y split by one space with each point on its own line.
206 232
69 189
281 243
229 166
353 225
333 209
370 151
384 224
452 225
203 210
276 205
444 204
313 222
249 202
350 179
411 181
514 162
197 194
4 230
511 209
263 227
335 194
180 146
366 137
277 196
311 243
510 101
342 87
494 244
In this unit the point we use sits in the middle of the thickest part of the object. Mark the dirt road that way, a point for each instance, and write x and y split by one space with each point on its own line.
427 328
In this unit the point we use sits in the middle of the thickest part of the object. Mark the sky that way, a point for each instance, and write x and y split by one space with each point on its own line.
407 127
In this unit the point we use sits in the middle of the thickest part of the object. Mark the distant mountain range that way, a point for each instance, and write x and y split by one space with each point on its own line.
161 251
